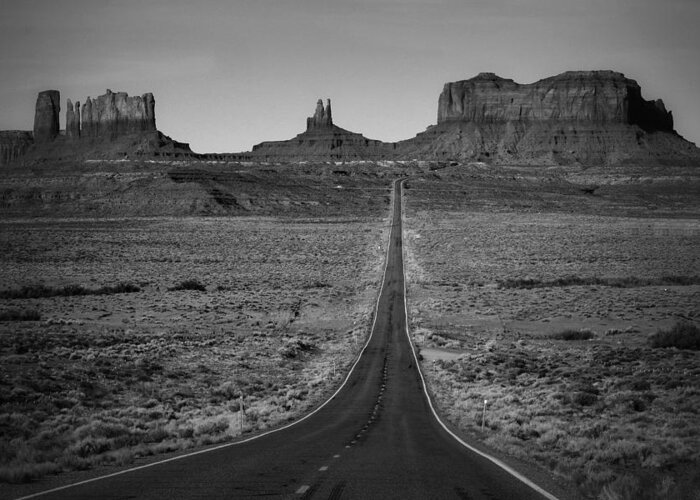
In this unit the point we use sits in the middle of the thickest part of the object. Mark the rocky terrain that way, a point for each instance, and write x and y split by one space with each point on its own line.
577 117
111 115
182 188
110 126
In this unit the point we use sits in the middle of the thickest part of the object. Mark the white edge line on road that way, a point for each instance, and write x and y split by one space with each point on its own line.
494 460
252 438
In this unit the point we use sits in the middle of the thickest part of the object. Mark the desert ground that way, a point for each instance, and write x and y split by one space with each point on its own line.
542 304
154 307
128 336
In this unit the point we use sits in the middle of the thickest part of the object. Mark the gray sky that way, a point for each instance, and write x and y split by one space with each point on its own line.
229 74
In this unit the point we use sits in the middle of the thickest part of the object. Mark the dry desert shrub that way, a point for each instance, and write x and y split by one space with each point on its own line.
106 379
682 335
42 291
20 315
570 334
191 284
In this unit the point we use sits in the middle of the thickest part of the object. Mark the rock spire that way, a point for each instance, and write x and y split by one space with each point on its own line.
48 106
322 118
73 119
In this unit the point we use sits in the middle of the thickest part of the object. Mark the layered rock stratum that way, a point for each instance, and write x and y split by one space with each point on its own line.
603 97
116 114
113 125
575 117
47 109
322 141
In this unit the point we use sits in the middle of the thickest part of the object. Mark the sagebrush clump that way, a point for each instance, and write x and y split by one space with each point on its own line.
682 335
191 284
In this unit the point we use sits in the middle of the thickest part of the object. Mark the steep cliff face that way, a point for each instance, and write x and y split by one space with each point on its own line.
588 117
111 125
599 97
116 114
48 106
13 144
322 118
73 120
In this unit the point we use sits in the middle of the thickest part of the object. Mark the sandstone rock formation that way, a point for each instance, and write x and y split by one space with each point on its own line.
73 119
116 114
578 117
602 97
48 106
13 144
586 117
112 125
322 118
322 141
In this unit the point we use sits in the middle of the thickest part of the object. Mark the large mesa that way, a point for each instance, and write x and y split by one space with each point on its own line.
577 117
600 97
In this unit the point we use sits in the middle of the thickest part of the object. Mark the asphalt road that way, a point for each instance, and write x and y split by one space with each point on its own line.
377 438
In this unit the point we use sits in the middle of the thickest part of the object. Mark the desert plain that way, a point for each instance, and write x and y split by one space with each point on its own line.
232 300
534 309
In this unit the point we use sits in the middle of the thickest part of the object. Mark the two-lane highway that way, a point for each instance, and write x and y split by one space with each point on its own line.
377 438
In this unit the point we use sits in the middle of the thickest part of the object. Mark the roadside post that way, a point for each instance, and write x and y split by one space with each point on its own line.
483 415
241 412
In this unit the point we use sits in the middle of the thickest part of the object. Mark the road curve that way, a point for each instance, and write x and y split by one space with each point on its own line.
376 438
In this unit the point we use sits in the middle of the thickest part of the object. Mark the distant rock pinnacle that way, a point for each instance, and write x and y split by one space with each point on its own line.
48 105
322 118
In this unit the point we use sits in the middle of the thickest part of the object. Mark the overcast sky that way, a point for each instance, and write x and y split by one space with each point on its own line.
227 74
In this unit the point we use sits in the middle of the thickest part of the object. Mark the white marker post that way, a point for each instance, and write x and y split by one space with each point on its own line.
241 412
483 416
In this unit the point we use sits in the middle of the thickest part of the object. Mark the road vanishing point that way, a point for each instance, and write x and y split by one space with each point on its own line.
377 437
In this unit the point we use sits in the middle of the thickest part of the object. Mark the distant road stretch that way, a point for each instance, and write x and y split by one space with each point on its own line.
377 438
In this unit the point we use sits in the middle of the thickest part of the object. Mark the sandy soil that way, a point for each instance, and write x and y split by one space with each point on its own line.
107 378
